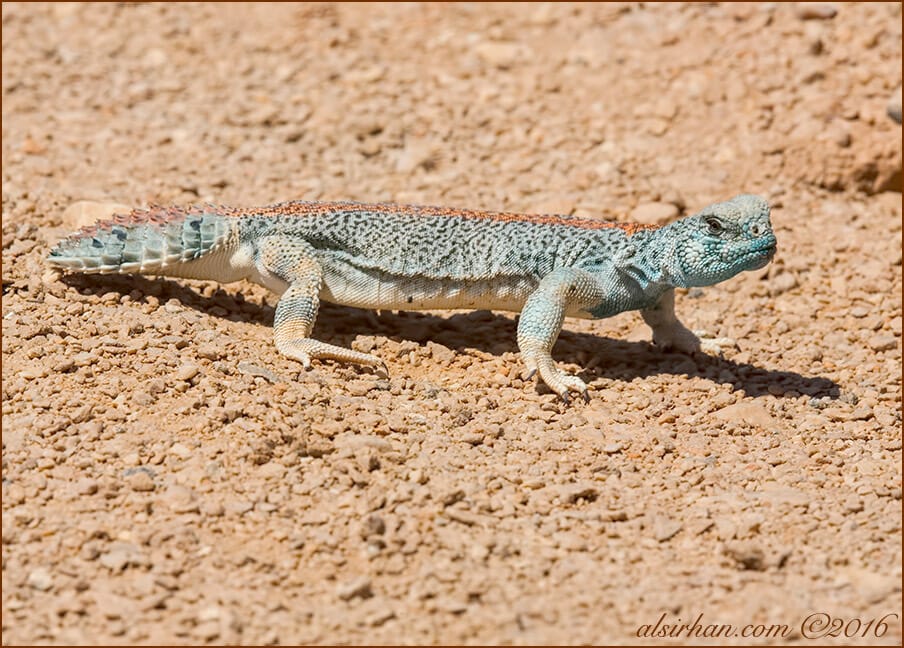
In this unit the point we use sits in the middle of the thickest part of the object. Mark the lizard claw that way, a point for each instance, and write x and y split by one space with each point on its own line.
560 382
563 384
303 358
566 396
382 370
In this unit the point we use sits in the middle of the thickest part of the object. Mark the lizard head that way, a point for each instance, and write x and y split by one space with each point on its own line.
721 241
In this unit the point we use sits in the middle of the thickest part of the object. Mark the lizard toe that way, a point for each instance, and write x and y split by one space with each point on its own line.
305 349
714 345
297 354
530 366
677 339
563 384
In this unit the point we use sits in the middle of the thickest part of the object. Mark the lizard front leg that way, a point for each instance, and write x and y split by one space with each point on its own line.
295 263
670 333
541 320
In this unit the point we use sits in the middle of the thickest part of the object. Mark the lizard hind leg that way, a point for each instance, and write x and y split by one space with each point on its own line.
298 305
292 327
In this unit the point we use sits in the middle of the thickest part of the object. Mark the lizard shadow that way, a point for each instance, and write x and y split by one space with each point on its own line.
485 331
600 357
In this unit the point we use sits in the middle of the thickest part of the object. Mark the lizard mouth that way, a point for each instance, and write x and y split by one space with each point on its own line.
762 262
763 255
758 254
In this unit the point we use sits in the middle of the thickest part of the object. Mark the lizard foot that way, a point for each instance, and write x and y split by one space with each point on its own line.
712 345
305 349
681 339
686 341
560 382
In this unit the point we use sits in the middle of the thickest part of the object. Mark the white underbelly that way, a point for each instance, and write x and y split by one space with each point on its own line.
220 266
403 293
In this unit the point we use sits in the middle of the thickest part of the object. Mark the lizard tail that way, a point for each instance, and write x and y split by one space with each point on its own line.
146 241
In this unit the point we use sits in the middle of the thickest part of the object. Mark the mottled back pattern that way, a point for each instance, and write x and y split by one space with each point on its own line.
442 243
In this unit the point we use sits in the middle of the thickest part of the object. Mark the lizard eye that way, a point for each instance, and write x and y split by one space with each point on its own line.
714 226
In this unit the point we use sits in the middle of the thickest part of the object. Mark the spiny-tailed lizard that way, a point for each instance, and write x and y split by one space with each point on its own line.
385 256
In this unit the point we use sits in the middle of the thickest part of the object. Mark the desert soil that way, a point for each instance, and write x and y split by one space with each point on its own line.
168 477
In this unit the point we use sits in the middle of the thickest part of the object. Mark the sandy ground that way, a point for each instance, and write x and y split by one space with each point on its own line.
168 477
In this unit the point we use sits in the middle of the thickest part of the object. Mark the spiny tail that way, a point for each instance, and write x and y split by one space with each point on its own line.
147 241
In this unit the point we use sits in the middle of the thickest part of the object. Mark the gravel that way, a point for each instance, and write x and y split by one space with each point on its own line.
654 213
168 477
359 587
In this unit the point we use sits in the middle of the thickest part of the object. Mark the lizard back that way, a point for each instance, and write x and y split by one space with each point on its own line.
441 242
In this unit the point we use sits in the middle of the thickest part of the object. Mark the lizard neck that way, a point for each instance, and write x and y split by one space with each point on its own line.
635 275
656 258
646 261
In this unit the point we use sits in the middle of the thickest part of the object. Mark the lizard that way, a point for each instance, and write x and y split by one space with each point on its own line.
406 257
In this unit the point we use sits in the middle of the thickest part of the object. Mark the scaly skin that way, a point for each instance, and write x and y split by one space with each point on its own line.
409 258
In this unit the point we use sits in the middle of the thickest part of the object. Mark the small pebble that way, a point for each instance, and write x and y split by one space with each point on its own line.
180 450
141 482
116 559
373 525
186 372
816 11
212 509
782 283
380 617
210 352
746 412
86 486
359 587
666 528
181 499
747 555
238 507
40 579
253 369
882 342
894 105
501 54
